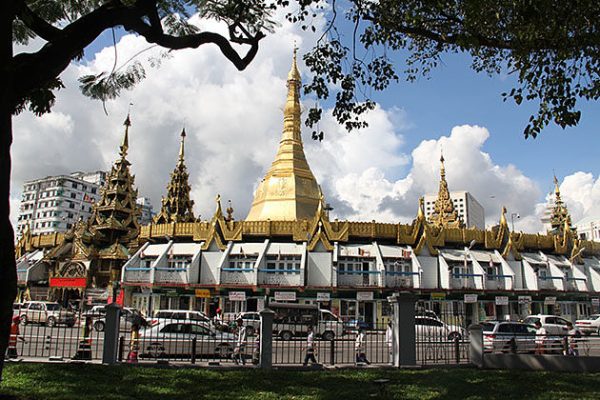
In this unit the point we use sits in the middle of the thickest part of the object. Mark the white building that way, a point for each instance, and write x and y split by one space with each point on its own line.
468 208
589 228
55 203
147 210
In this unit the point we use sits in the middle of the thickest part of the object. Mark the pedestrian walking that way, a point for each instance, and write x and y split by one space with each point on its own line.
15 335
359 347
540 338
389 339
256 350
310 347
571 340
238 352
134 344
84 350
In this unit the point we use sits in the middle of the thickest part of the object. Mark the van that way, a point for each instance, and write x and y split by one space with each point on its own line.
292 320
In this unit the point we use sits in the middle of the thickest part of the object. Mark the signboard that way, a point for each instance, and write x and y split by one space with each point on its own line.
550 301
438 296
501 300
470 298
596 302
68 282
364 296
237 296
524 299
323 296
285 296
202 293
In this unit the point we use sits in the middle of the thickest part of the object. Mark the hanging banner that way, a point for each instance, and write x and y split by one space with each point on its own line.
202 293
501 300
524 299
237 296
470 298
285 296
323 296
68 282
364 296
550 301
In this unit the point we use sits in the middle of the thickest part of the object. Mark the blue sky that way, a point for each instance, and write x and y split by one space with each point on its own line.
233 120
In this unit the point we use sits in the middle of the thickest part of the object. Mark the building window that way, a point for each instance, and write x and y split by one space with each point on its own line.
350 264
397 264
93 190
281 263
179 261
74 185
73 195
242 261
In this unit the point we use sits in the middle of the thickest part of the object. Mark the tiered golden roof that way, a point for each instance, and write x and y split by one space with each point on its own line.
560 219
177 206
289 190
444 213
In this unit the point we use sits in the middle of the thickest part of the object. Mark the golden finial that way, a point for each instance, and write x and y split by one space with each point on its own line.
421 210
125 143
181 146
229 211
556 187
294 74
442 168
503 220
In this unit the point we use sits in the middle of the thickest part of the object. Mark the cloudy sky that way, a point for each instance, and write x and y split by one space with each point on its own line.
234 121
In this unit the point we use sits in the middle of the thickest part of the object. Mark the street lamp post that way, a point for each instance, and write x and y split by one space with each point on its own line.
512 220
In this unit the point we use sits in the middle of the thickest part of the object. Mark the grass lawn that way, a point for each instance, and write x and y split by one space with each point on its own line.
77 382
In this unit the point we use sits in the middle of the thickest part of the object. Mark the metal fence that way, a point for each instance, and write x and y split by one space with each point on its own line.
75 341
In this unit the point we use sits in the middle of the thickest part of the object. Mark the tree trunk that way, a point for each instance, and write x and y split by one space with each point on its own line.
8 269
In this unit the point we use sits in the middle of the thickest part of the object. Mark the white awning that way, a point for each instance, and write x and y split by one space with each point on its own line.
394 251
533 258
357 250
284 248
559 261
485 256
453 255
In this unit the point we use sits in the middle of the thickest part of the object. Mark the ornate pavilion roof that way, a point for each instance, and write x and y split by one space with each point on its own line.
560 219
444 213
177 206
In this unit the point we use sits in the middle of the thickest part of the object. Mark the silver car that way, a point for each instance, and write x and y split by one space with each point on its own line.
175 338
506 336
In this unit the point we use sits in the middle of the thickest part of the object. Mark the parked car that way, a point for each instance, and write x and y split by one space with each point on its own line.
183 315
551 323
47 313
174 338
292 320
251 321
128 317
353 325
589 325
504 336
432 328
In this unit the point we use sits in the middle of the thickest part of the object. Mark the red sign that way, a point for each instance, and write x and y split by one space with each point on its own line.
68 282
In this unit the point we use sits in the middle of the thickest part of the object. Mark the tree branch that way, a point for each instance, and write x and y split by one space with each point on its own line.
41 28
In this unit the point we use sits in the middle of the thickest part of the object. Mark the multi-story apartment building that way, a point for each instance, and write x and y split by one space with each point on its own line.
147 210
55 203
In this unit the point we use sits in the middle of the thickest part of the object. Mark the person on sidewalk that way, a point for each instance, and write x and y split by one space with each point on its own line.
389 339
238 352
540 338
134 344
15 334
359 347
571 339
84 350
310 348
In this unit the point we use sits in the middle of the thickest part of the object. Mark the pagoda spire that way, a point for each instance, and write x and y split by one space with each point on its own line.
177 206
289 190
560 218
125 143
444 213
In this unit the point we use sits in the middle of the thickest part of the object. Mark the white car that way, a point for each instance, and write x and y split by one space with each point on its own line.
506 336
251 321
175 338
589 325
429 328
178 315
551 323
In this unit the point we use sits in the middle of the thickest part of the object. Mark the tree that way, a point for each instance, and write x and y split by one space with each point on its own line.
67 27
551 46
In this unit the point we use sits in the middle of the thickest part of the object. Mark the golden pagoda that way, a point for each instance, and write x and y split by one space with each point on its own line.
177 206
559 217
289 190
444 214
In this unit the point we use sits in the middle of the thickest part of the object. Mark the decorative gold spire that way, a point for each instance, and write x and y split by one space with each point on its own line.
289 190
444 213
177 206
125 143
560 219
